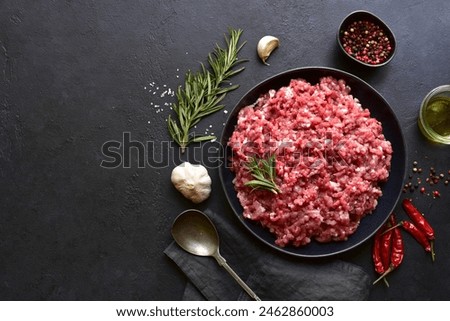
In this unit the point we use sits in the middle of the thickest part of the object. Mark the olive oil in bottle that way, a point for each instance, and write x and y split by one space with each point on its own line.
437 115
434 118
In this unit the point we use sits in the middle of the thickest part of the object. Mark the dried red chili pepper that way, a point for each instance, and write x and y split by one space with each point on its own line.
380 268
419 236
397 252
418 219
385 246
392 220
376 253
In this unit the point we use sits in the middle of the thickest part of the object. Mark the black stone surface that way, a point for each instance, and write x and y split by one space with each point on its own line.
77 74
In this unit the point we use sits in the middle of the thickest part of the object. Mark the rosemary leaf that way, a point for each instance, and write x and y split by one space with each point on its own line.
226 89
202 138
204 90
264 174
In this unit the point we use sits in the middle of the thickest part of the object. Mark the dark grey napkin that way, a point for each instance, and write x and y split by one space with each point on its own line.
271 275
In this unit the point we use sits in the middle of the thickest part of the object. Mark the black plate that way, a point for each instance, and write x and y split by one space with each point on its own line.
379 109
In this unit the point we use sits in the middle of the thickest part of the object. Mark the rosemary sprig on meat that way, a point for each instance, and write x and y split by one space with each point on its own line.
264 174
203 91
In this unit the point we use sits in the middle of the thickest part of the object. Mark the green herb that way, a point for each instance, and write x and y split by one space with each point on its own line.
203 91
263 172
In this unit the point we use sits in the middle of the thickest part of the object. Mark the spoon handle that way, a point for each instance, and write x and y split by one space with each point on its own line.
222 262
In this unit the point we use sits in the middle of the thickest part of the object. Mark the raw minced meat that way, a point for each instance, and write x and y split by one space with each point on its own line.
330 159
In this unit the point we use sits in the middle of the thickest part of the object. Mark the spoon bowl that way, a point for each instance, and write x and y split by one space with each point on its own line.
195 233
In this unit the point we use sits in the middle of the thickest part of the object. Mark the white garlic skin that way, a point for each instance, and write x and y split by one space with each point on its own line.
266 45
192 181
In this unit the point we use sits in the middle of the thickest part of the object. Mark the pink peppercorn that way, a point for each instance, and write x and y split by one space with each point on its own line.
366 41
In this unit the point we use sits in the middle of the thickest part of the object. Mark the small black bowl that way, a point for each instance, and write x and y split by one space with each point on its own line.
370 17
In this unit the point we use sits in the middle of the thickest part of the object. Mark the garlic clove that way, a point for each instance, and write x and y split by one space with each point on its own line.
266 45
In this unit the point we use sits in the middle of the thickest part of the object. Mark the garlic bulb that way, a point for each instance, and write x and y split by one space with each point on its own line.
266 45
192 181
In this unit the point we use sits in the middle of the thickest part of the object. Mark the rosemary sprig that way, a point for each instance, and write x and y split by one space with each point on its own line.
202 91
263 172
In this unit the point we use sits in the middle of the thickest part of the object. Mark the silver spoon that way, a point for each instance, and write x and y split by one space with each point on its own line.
195 233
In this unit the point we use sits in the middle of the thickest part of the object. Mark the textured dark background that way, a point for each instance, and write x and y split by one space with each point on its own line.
75 74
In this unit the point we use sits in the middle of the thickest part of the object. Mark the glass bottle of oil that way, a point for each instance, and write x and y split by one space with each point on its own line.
434 115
